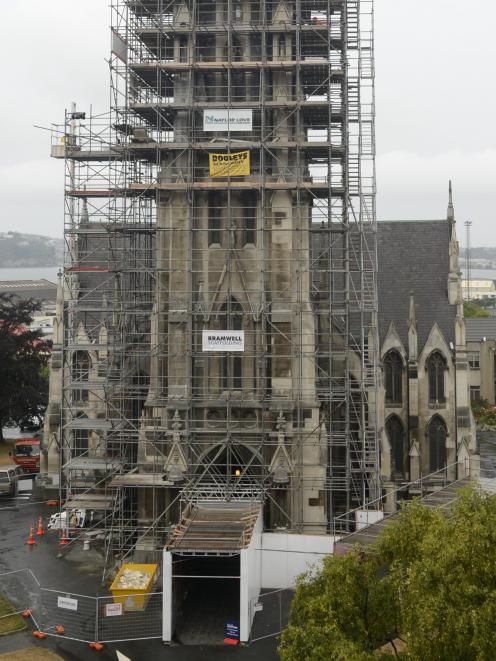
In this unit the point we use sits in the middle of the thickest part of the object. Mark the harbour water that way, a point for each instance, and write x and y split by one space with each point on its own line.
30 273
50 273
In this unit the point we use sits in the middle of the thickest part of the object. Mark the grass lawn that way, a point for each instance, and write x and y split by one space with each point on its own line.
31 654
10 623
6 447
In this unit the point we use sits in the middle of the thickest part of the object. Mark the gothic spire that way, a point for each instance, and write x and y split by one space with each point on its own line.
451 208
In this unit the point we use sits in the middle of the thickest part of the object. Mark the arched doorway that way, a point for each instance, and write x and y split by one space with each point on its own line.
230 461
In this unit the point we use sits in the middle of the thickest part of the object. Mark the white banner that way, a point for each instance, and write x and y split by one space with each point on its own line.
223 340
67 603
227 120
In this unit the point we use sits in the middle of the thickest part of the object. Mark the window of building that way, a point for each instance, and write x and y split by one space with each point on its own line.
437 434
249 217
475 393
80 438
396 437
474 360
231 315
393 374
436 368
215 204
81 365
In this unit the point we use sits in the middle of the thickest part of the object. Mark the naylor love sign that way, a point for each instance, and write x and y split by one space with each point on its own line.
227 120
223 340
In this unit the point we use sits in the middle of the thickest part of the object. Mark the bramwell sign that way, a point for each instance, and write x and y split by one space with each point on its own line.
227 120
223 340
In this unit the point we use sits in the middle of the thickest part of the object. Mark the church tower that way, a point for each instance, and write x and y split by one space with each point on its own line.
228 265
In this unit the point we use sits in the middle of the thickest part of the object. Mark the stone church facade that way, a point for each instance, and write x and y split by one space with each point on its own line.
427 427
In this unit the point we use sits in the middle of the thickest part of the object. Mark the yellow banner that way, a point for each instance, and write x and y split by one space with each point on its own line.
229 165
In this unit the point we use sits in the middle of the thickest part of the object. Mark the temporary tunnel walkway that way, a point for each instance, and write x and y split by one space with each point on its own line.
212 571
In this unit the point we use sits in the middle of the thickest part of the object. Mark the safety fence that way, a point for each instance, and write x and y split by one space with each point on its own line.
111 619
84 618
271 613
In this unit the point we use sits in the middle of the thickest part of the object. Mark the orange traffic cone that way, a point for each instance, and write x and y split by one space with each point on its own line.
63 539
59 629
31 541
96 646
40 530
25 614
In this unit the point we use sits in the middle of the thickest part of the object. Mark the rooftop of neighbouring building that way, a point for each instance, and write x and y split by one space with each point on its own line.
478 328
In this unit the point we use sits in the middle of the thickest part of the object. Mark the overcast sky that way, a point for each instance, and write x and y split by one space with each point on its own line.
436 106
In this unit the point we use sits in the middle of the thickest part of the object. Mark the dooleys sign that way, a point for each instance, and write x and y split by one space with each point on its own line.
223 340
227 120
236 164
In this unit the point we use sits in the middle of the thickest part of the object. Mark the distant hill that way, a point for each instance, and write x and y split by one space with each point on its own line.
481 253
18 249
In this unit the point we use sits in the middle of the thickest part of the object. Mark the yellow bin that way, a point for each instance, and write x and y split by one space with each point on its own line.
133 599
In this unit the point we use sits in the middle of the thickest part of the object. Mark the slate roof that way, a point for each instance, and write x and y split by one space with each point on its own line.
38 289
479 327
414 256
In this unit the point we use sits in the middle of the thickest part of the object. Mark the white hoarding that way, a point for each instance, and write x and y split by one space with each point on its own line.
227 120
67 603
223 340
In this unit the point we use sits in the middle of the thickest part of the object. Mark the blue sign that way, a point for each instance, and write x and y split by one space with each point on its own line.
232 630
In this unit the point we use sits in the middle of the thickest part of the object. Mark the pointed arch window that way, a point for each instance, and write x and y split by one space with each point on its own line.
231 318
437 433
393 373
216 202
81 366
436 369
80 439
396 437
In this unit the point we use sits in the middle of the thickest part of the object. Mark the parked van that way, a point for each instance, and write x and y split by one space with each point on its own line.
9 476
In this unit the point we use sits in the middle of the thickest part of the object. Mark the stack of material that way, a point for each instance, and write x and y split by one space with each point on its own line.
215 527
133 579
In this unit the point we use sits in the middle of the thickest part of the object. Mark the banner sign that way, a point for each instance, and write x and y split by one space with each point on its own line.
223 340
112 610
229 165
67 603
232 630
227 120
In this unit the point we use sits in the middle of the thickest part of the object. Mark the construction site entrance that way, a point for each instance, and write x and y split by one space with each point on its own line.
212 571
205 597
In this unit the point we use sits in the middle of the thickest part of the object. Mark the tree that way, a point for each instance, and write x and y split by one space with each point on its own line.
475 309
447 585
430 581
342 613
24 356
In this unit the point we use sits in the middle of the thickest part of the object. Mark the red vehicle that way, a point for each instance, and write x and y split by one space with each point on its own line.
27 454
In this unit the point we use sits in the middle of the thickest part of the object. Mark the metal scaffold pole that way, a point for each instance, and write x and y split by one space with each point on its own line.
220 337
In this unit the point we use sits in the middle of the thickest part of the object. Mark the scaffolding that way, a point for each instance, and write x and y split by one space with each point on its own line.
220 302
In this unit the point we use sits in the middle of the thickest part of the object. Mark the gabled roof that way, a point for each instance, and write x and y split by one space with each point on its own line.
479 327
414 257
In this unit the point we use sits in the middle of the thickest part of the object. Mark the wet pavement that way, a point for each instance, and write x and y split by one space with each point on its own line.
80 572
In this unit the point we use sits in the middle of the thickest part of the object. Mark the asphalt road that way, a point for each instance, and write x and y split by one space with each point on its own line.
84 578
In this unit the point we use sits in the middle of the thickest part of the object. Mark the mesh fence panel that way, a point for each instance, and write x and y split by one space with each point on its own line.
272 613
23 591
75 613
132 617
